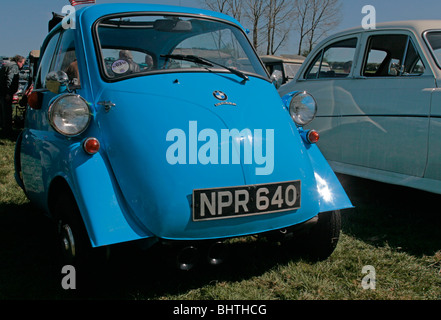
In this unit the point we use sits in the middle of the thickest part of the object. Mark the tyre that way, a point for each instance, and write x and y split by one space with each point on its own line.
321 240
72 236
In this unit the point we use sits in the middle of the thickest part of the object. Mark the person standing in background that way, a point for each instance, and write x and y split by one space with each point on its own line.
9 76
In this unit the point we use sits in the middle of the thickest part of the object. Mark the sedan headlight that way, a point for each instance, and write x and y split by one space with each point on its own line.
69 114
302 108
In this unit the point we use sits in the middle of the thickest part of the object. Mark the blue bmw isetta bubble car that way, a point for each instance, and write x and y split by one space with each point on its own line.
159 124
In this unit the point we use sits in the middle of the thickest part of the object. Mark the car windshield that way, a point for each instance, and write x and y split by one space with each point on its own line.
145 44
434 39
291 69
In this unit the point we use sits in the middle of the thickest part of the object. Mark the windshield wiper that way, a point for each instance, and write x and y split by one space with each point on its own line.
204 61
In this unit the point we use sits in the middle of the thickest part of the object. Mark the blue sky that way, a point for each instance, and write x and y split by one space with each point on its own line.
23 23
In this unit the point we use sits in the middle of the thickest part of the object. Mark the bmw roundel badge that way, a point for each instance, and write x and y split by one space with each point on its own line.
219 95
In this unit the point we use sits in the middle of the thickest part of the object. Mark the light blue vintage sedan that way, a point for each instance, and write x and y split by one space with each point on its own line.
159 124
380 102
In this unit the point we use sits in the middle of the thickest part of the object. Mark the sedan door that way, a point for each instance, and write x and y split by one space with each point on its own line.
328 77
388 127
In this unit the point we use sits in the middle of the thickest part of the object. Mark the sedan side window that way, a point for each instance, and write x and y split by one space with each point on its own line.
434 40
335 61
413 66
392 56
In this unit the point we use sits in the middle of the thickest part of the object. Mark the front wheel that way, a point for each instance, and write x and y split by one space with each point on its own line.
72 234
321 240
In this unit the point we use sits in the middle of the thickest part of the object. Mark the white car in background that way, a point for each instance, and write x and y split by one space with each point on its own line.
379 102
286 65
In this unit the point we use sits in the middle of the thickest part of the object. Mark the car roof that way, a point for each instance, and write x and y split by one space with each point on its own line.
269 59
92 13
417 26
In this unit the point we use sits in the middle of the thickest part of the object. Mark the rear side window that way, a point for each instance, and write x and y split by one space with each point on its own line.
335 61
392 56
434 40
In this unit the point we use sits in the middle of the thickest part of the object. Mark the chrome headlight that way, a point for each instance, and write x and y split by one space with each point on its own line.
69 114
302 108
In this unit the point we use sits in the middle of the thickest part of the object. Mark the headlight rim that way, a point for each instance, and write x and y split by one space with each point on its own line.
290 108
51 115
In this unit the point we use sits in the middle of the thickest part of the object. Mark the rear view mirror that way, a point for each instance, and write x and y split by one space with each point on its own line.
173 25
395 68
57 81
277 78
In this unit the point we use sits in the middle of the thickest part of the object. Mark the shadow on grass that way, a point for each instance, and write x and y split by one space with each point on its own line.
29 268
135 274
406 219
12 136
26 251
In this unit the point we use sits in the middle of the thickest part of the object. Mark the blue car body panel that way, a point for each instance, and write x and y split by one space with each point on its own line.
129 190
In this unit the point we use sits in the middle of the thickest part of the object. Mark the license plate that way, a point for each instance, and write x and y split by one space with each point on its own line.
231 202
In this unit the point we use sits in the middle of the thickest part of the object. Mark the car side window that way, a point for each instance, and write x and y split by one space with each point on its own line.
434 41
65 59
413 65
335 61
391 56
46 61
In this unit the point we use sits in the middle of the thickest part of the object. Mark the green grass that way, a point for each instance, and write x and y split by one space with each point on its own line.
10 193
393 229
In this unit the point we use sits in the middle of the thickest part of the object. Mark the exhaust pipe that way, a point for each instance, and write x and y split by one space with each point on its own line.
217 253
187 258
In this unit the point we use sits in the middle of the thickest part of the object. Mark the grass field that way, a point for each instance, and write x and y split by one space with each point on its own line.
393 229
